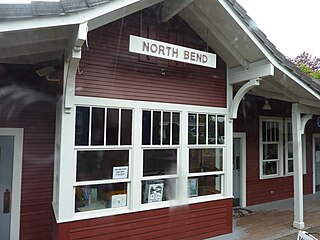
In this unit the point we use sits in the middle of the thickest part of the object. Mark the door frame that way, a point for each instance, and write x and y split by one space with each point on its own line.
315 135
17 133
243 174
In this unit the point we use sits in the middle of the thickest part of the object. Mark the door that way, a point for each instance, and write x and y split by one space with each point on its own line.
11 142
236 171
316 157
6 167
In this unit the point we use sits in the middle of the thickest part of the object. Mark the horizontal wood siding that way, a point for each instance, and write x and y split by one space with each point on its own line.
38 122
195 221
109 70
266 190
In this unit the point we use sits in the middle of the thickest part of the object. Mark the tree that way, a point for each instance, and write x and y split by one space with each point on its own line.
308 64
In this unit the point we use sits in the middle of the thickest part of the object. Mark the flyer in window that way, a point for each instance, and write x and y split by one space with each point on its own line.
119 200
155 192
193 187
120 172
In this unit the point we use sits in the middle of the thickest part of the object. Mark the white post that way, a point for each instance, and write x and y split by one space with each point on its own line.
298 168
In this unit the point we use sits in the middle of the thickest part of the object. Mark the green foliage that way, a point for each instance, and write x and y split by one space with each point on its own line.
308 64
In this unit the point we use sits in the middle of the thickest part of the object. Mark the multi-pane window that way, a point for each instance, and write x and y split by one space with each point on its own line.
103 144
110 166
271 146
276 147
161 145
206 139
288 147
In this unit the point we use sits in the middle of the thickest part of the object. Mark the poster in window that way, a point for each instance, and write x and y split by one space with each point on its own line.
193 187
120 172
155 192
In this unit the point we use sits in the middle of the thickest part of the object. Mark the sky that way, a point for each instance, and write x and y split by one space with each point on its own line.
291 25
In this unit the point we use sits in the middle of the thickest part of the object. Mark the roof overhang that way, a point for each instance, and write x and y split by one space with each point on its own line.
223 24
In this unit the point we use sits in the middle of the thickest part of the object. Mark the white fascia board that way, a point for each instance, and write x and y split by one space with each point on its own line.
63 20
262 48
257 69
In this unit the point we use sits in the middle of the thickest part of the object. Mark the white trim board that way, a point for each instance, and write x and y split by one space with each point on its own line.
243 167
17 133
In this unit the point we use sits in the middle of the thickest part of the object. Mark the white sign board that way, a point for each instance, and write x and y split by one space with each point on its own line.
171 51
302 235
120 172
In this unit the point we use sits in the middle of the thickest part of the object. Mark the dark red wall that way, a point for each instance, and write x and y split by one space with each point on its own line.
266 190
195 221
36 116
109 70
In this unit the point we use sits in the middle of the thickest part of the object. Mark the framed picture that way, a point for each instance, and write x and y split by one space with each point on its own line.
193 187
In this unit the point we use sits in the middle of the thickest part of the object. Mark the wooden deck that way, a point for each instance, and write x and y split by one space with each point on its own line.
274 220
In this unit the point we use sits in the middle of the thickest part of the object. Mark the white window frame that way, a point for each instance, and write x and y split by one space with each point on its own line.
286 147
206 145
67 170
162 146
105 147
280 147
304 151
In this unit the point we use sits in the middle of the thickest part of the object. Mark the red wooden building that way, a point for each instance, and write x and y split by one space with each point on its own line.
145 119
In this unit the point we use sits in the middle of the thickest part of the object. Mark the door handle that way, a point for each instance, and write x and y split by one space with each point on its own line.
6 201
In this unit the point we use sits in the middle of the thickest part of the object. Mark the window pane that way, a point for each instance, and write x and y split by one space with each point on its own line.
212 129
176 128
204 185
158 190
146 127
264 131
112 126
166 128
159 162
97 126
202 129
82 126
126 127
221 129
270 151
97 197
205 160
192 127
99 165
270 167
290 150
289 130
290 166
156 128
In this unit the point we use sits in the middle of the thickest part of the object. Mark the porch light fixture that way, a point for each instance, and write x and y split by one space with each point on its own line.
266 105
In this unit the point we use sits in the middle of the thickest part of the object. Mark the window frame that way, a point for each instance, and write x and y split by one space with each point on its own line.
67 200
207 145
161 146
280 144
103 147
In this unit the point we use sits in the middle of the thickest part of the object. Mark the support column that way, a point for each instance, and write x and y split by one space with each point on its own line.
298 167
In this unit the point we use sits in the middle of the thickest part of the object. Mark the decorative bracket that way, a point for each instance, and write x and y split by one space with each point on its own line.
73 62
239 95
304 121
